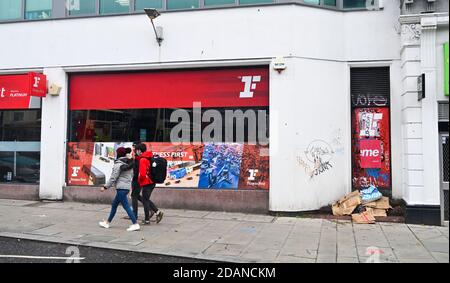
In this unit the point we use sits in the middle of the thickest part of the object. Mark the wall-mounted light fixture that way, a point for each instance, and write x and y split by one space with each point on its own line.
153 14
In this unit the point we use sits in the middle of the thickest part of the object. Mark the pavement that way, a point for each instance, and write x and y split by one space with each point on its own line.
226 237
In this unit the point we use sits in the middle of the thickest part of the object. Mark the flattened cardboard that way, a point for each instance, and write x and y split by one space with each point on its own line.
377 212
364 218
382 203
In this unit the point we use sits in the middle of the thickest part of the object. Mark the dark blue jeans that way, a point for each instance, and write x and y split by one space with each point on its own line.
121 198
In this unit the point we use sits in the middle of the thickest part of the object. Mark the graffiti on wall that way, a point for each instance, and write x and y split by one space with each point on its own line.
364 100
317 158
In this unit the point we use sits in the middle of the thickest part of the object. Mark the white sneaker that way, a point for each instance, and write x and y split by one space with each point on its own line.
134 227
104 224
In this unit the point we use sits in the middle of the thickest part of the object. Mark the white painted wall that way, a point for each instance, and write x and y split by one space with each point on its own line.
308 110
309 101
53 138
397 149
374 35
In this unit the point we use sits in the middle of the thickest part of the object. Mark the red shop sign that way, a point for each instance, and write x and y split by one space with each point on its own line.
231 87
370 151
37 84
17 91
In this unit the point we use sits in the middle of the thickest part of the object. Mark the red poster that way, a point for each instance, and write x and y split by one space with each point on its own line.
254 168
371 150
79 165
233 87
14 92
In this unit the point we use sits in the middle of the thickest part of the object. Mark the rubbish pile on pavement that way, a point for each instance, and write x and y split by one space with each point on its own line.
363 205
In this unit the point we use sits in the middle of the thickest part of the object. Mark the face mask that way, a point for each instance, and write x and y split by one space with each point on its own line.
129 156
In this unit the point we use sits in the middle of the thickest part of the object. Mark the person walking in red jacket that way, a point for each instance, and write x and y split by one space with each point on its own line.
146 183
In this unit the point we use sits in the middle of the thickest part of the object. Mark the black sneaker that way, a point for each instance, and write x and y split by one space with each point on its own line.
145 222
159 216
152 219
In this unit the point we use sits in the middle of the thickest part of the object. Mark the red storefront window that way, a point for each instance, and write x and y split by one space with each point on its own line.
109 110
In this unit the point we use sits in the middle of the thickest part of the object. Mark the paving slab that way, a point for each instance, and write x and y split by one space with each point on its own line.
9 202
440 257
343 259
293 259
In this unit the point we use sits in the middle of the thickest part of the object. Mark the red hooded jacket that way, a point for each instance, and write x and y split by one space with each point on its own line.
144 168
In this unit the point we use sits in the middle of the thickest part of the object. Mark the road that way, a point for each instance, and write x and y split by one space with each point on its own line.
25 251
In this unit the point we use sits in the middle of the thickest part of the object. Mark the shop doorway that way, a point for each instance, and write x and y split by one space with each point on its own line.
371 142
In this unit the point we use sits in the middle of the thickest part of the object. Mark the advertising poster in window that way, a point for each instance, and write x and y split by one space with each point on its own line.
371 148
221 165
255 167
203 166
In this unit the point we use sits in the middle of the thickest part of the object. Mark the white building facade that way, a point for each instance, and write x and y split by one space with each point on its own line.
343 60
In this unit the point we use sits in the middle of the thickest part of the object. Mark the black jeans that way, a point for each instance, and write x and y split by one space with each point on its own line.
148 204
135 197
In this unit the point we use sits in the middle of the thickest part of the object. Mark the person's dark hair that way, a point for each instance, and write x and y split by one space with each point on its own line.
121 152
128 150
136 143
142 147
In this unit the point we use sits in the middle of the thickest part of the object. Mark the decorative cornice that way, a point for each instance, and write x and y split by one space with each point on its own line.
441 18
411 33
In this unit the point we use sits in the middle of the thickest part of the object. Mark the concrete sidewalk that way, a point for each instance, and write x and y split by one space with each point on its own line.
230 237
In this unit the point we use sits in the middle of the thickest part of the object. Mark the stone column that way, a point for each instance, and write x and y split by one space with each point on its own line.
420 120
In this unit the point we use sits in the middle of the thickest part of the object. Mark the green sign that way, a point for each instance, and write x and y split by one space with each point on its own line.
446 73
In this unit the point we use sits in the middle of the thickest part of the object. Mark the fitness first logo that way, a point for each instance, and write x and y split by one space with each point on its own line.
253 174
75 171
250 84
37 80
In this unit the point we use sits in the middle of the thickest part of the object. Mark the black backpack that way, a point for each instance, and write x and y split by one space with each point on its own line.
158 169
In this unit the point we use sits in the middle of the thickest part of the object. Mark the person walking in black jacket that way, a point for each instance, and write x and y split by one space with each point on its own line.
136 189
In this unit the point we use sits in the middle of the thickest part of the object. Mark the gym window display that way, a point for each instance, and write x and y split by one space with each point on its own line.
210 124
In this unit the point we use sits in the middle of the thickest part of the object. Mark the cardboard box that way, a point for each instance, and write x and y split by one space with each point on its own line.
347 204
364 218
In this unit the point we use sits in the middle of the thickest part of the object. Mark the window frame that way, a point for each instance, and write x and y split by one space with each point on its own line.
95 14
60 11
22 14
24 6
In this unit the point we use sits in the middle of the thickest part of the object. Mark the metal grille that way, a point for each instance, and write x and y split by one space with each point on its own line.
445 157
370 87
446 205
443 112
